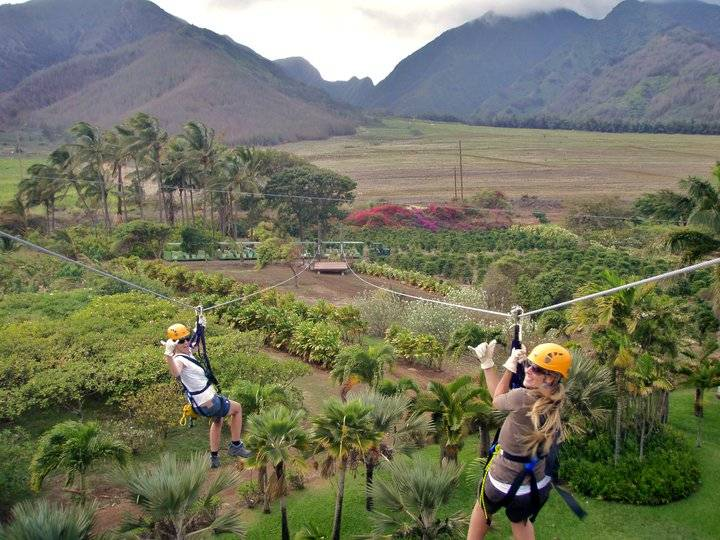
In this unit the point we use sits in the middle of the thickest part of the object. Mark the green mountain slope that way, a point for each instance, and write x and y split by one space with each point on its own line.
76 60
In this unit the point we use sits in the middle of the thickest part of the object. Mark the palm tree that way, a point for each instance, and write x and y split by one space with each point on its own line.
343 429
359 364
410 500
386 387
452 405
73 447
202 154
176 502
277 437
117 155
90 154
41 519
237 172
144 139
403 429
589 395
485 418
624 325
42 186
703 372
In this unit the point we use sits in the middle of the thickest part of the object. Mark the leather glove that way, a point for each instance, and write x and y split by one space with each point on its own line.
484 352
516 356
169 347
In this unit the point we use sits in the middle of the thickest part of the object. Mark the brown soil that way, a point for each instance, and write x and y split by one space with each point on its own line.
335 288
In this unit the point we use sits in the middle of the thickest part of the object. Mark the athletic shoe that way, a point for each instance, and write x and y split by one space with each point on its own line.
239 450
214 461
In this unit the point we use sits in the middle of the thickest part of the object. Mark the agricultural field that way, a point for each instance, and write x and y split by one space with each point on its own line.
12 171
409 161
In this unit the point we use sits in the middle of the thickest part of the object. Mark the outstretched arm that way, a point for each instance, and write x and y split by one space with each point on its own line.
175 369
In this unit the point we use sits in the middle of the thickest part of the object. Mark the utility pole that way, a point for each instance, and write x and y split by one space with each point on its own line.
455 178
462 190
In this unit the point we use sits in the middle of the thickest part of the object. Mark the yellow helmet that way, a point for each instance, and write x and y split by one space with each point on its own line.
552 357
177 331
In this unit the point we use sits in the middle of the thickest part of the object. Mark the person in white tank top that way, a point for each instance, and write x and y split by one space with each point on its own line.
202 394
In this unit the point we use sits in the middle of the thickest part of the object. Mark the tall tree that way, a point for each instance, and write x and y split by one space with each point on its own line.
277 436
90 155
703 372
202 154
308 196
42 186
341 431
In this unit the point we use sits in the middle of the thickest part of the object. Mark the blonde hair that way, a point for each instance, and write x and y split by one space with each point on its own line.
545 418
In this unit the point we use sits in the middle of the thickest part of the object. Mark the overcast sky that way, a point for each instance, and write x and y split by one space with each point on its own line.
345 38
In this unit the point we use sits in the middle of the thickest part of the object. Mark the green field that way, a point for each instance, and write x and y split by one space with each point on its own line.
693 518
411 160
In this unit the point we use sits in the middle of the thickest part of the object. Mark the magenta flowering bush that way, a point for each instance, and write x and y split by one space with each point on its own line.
434 217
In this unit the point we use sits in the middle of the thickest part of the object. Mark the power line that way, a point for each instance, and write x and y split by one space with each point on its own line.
93 269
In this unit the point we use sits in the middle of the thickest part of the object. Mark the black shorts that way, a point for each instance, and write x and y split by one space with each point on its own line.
519 509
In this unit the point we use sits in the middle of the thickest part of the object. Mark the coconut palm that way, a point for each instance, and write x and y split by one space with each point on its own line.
42 186
452 406
361 364
176 501
237 171
410 500
403 430
144 139
277 437
341 431
73 447
90 152
202 154
41 519
703 372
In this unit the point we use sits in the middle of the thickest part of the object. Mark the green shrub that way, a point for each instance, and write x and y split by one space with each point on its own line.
318 343
144 239
423 349
669 471
15 454
195 239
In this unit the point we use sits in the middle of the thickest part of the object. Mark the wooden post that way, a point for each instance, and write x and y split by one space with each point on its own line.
462 190
455 178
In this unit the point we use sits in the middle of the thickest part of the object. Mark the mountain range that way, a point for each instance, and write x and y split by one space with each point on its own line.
644 62
100 61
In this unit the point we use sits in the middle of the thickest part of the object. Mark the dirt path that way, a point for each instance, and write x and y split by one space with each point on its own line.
335 288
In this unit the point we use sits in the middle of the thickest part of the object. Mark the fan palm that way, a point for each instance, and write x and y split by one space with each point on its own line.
73 447
402 432
277 437
410 500
452 406
343 429
176 501
41 519
589 395
360 364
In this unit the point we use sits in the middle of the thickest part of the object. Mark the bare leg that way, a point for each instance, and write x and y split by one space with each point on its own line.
478 524
215 431
235 420
523 531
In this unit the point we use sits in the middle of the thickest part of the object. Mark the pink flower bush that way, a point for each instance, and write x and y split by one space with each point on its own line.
434 217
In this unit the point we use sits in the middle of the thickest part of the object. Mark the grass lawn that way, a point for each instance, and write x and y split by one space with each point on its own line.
692 518
11 171
407 160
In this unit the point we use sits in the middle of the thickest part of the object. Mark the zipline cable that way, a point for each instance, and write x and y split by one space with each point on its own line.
93 269
671 273
431 300
240 299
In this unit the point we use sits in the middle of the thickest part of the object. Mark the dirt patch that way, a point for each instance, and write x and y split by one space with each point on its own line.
335 288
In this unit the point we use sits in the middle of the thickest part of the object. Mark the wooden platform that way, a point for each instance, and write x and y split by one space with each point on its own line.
327 267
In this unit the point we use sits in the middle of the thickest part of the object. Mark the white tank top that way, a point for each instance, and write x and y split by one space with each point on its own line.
194 379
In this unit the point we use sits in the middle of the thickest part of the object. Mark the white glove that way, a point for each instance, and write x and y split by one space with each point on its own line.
169 347
516 356
484 352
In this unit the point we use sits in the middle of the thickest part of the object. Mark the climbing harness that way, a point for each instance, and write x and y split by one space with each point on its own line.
188 416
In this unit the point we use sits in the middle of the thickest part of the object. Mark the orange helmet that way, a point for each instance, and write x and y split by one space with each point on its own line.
552 357
177 331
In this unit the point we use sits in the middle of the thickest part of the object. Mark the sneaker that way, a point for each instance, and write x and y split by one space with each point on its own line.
214 461
239 450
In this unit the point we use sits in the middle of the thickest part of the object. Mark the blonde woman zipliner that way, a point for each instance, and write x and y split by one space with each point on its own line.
514 477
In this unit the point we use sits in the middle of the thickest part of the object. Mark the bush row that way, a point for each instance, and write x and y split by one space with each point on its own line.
423 349
416 279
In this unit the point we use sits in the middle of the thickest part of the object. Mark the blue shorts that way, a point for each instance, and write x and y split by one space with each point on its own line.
219 407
